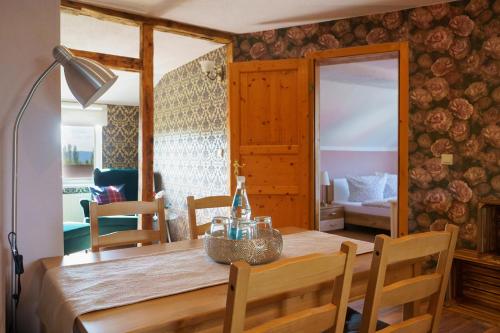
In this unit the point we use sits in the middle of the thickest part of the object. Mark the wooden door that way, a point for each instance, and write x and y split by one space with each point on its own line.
271 134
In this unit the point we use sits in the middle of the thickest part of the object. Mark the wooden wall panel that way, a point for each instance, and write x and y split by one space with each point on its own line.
271 99
284 209
146 122
270 126
257 167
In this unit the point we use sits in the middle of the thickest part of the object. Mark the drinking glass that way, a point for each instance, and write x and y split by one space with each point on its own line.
219 226
263 226
241 228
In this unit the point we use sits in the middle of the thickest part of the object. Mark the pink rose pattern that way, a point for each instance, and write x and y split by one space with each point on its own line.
462 25
454 98
442 66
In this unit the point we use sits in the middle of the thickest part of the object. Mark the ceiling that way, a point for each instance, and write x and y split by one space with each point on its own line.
359 106
172 51
240 16
375 73
89 34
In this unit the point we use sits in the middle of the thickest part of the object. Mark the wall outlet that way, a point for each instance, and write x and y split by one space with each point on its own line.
447 159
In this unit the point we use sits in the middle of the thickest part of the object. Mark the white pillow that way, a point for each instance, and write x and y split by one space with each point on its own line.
340 189
364 188
391 187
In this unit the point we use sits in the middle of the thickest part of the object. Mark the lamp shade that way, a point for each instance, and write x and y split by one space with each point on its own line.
87 79
207 66
325 179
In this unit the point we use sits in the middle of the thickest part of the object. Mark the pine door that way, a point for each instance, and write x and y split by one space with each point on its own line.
271 135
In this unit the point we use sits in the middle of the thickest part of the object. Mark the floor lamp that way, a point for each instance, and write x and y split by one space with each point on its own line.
87 80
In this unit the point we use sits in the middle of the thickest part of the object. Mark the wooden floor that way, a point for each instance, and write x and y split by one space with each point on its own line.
452 322
356 232
367 237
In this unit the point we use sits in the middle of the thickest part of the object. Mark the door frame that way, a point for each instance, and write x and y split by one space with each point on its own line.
376 51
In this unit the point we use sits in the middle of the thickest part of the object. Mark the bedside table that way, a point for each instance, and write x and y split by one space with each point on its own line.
331 217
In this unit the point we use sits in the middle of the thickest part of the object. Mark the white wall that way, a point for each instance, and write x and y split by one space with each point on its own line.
29 29
72 211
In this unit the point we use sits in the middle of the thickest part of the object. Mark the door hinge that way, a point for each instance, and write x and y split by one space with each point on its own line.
311 87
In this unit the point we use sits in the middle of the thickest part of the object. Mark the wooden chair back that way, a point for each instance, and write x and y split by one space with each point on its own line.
127 237
193 204
388 251
247 284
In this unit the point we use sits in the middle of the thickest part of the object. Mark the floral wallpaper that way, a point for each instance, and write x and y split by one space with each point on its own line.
120 137
454 97
189 131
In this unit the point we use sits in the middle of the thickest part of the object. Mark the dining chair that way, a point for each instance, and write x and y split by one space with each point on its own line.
127 237
389 251
193 204
247 284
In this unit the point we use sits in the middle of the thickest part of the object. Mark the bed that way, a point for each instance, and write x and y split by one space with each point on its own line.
373 214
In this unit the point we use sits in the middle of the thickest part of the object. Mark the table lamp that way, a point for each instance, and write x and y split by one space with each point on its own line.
87 81
325 182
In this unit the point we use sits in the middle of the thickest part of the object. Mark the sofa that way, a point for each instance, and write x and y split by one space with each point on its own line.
77 234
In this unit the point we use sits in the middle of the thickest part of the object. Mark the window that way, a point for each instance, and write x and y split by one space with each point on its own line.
79 150
81 142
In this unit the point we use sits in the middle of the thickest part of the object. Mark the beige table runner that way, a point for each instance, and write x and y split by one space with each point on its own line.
70 291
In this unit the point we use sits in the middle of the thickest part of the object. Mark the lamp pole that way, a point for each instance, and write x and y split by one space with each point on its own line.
17 267
87 80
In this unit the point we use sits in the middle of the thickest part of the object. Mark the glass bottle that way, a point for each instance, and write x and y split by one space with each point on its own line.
241 212
241 206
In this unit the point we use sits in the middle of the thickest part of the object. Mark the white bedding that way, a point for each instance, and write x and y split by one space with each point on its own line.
358 207
379 203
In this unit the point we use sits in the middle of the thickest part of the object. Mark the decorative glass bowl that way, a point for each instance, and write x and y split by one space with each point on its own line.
262 250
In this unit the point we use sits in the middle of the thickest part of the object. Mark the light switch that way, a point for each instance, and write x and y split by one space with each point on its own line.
220 152
447 159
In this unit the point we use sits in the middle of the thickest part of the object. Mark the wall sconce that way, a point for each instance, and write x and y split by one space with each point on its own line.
212 71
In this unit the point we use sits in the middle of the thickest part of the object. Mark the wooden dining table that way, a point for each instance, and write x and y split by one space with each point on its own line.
203 310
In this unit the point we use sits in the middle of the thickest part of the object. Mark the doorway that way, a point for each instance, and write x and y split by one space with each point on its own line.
104 147
361 140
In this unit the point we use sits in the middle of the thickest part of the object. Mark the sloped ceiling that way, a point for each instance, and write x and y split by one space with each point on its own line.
359 106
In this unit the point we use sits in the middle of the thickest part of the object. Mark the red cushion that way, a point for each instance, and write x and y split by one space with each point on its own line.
107 194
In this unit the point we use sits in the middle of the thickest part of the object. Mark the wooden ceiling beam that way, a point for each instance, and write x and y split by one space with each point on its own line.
111 61
159 24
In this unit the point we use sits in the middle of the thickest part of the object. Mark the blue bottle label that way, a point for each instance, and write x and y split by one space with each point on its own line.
237 201
233 233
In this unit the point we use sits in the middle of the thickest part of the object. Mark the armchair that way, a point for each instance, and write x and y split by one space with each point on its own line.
77 234
109 177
